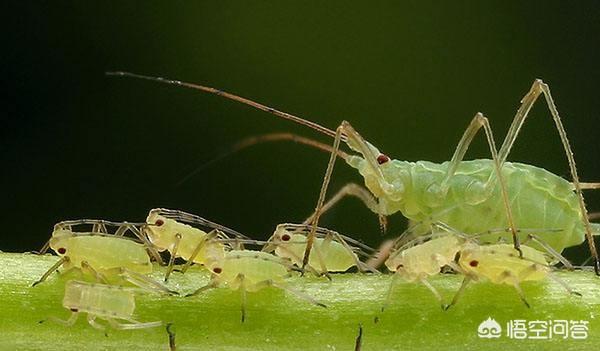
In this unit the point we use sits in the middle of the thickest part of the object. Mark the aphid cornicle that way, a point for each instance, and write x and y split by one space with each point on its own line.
108 302
249 271
104 256
471 196
168 230
501 264
332 252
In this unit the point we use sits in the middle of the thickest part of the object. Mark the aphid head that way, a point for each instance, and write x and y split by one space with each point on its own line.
158 229
383 176
60 242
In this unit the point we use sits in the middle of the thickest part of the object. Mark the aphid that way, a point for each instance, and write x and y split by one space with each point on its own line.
419 262
167 230
249 271
501 264
103 256
470 196
108 302
331 251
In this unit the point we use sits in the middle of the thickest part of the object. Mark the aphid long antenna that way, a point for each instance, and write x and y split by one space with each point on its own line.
259 139
230 96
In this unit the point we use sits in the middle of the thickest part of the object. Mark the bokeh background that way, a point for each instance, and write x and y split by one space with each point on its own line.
408 75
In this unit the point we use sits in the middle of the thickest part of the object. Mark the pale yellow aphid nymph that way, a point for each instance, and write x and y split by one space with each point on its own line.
105 256
108 302
501 264
330 253
168 230
249 270
419 262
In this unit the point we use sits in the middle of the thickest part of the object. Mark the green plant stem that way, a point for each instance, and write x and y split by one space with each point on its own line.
277 320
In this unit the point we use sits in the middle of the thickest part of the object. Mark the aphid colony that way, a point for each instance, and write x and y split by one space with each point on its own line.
117 258
462 214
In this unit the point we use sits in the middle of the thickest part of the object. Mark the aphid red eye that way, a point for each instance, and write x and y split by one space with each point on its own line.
382 158
474 263
217 270
62 250
285 237
159 222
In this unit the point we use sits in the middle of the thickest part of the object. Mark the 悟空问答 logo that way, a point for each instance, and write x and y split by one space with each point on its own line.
489 329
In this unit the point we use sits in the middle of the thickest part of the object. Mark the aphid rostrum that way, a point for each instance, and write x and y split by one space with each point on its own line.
471 196
250 271
112 303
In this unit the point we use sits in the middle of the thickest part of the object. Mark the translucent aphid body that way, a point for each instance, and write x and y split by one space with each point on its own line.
539 199
111 303
331 251
424 260
103 253
249 270
501 264
168 230
106 257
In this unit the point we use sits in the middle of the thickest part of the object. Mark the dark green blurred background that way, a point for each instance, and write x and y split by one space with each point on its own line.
408 75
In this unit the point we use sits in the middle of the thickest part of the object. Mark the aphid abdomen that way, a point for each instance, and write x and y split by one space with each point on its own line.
336 257
538 198
105 253
255 266
99 299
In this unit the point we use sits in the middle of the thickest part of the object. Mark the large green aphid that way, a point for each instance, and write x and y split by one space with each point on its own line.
114 304
470 196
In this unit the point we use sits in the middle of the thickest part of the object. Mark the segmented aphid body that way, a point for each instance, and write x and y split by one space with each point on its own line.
539 199
108 302
332 252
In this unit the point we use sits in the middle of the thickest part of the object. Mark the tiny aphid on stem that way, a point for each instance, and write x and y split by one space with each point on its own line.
501 264
104 256
472 195
113 304
332 252
170 230
250 271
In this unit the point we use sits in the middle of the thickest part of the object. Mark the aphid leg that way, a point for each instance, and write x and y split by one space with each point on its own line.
358 341
318 209
209 236
213 284
51 270
91 319
284 286
173 256
527 102
67 323
44 248
144 282
133 325
564 285
379 257
515 282
476 124
241 278
360 265
388 298
353 189
86 267
460 292
171 333
99 227
435 293
149 247
551 251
